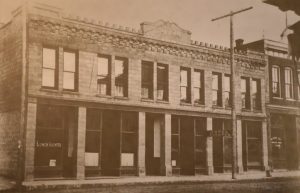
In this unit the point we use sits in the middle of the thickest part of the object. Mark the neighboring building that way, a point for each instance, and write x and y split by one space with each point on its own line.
283 109
101 100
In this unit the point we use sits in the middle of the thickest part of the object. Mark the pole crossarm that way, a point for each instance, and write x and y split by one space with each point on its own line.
232 13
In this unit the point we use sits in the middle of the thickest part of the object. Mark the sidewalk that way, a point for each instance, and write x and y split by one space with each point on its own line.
150 180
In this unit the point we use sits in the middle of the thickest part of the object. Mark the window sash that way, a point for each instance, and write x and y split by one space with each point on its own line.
183 78
69 80
183 93
120 78
288 83
215 82
49 58
103 66
48 77
69 62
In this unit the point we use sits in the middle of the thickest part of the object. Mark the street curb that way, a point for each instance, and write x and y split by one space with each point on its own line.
29 188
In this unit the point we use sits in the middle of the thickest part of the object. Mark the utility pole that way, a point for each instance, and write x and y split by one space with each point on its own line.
232 88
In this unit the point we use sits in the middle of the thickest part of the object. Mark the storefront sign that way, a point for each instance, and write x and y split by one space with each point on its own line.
127 159
48 144
52 162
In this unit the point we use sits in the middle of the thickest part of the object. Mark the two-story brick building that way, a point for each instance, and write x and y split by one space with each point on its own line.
283 110
103 100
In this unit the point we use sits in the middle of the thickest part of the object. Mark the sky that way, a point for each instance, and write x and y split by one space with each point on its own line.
194 15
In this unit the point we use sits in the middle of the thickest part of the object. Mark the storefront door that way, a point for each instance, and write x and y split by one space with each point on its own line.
55 142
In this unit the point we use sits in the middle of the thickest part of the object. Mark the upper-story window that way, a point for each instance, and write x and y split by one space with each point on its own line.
121 77
103 75
217 89
49 72
276 81
198 86
185 85
256 96
147 80
288 77
245 93
227 93
162 82
70 71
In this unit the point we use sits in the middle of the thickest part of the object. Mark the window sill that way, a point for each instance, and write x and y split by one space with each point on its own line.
199 105
278 98
228 108
246 110
185 104
54 90
70 92
162 102
257 110
121 98
290 100
217 107
103 96
147 100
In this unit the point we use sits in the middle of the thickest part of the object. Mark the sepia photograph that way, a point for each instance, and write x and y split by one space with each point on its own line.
149 96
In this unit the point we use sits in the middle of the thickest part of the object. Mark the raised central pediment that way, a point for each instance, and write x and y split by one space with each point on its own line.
166 31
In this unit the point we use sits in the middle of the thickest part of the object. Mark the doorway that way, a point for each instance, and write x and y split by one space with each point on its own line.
154 125
187 156
55 149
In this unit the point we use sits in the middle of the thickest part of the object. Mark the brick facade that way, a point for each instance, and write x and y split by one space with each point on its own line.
10 97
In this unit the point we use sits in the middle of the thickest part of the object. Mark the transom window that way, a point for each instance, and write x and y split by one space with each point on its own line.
103 75
70 71
288 77
276 81
49 72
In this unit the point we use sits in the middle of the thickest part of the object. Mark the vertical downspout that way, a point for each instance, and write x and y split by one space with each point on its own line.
23 114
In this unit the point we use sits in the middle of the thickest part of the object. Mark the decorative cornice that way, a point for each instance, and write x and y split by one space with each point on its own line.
118 36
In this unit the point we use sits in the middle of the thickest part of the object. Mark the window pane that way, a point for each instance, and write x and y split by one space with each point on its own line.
288 76
183 93
227 83
119 68
183 78
69 61
254 86
103 66
68 82
162 74
48 77
196 94
197 79
160 92
119 91
215 97
102 89
275 74
215 82
288 91
49 57
243 85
